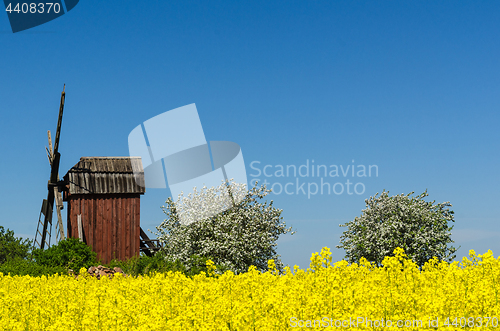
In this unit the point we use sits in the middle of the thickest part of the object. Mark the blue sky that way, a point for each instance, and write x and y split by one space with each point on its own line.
410 87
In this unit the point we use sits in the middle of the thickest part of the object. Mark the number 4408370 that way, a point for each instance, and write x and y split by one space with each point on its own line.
33 8
471 322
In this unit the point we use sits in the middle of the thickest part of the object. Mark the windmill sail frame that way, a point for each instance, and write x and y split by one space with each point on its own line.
53 187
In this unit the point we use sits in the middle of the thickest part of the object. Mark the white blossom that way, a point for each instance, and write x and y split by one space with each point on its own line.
209 201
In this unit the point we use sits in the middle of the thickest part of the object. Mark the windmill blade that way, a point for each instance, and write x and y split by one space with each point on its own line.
50 151
47 222
59 121
43 212
52 186
58 195
55 157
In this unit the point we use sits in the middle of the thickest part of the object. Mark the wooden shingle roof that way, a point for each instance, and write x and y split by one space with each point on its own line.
106 175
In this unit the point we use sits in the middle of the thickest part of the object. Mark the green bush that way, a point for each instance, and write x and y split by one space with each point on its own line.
20 267
197 264
73 254
70 253
143 265
12 247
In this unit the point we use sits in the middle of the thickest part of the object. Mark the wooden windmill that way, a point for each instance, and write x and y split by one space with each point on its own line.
103 200
43 232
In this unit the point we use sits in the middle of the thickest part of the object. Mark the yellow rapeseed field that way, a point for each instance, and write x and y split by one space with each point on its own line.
325 296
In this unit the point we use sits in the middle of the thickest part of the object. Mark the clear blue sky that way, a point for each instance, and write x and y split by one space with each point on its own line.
408 86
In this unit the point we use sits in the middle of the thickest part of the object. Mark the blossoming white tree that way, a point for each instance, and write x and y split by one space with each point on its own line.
244 234
201 205
419 227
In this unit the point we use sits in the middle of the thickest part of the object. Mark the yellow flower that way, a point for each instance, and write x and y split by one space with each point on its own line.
261 301
211 267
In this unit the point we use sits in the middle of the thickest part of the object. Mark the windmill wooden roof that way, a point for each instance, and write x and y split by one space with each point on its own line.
106 175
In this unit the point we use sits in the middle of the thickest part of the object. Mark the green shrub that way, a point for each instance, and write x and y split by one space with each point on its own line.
143 265
70 253
12 247
73 254
197 264
20 267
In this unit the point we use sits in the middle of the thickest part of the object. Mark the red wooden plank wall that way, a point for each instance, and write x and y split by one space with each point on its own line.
111 223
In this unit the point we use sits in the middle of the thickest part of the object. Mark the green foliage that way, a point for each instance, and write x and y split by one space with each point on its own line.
73 254
143 265
419 227
70 253
14 253
197 264
23 267
12 247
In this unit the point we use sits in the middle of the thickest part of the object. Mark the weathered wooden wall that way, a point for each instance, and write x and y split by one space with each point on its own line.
106 192
110 223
